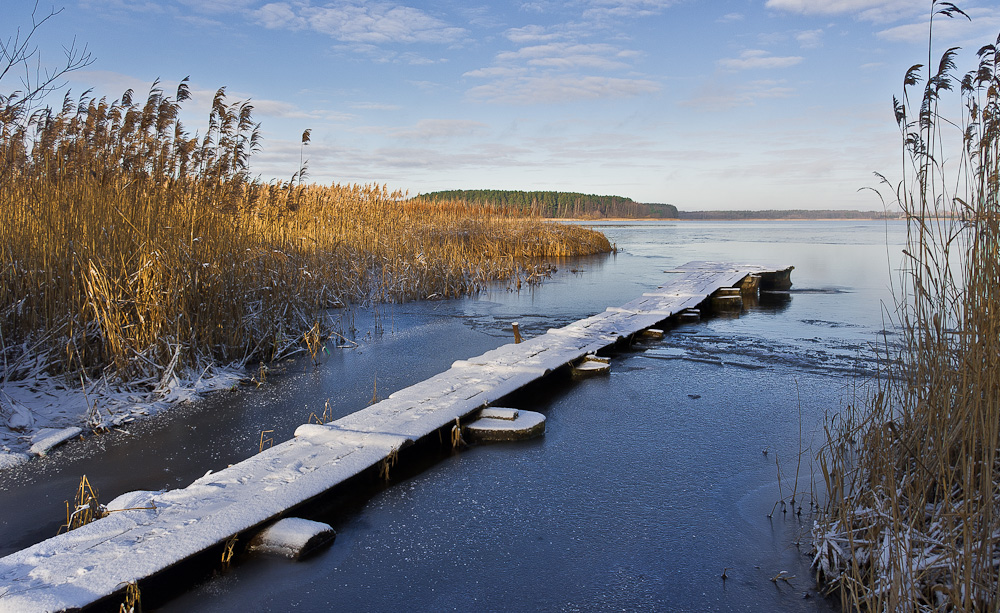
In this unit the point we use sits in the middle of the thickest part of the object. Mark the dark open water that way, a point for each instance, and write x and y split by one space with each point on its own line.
646 485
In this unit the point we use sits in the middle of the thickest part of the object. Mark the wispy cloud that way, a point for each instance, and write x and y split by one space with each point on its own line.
556 64
361 22
375 106
287 110
719 96
112 84
201 21
981 28
879 11
810 39
219 6
753 59
731 18
121 6
384 54
534 34
396 164
440 129
568 56
559 89
626 8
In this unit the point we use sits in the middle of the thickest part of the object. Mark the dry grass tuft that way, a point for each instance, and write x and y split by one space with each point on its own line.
913 476
129 247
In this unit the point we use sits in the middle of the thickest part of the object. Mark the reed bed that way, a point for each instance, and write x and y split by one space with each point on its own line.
912 521
130 248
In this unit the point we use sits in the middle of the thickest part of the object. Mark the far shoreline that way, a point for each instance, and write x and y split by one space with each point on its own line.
688 220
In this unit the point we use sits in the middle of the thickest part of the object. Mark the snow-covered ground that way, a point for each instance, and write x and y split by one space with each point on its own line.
42 411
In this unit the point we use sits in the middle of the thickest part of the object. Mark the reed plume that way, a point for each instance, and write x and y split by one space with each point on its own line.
128 246
913 475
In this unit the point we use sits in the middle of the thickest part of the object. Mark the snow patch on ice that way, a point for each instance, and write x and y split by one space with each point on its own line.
34 408
10 460
47 438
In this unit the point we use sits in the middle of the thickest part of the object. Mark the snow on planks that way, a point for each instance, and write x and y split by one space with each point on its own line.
78 568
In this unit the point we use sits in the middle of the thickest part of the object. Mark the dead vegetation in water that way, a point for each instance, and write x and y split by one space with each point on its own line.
85 508
130 247
133 599
266 442
229 552
913 476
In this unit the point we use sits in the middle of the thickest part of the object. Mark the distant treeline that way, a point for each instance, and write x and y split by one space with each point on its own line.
587 206
558 204
789 214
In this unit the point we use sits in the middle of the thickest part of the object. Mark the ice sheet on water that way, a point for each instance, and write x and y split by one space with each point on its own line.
132 544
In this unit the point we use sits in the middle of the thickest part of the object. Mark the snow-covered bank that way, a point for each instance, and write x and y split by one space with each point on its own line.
41 411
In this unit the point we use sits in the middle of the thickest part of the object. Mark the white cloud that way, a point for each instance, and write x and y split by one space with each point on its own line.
810 39
758 59
534 7
560 89
731 17
880 11
532 34
602 9
558 71
360 21
219 6
279 15
568 56
494 72
415 59
957 31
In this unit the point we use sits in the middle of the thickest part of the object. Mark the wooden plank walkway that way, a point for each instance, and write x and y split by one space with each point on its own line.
81 567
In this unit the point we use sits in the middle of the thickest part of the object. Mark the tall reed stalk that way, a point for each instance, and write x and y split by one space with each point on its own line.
912 520
130 247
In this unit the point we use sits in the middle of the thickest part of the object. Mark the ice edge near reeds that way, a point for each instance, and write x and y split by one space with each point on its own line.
136 257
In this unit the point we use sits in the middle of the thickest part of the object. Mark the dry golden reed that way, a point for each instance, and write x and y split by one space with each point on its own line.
129 246
85 507
913 475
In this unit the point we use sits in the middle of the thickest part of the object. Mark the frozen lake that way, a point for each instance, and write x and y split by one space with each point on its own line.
647 484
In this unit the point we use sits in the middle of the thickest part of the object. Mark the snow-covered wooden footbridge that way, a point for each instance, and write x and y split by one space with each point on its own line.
157 530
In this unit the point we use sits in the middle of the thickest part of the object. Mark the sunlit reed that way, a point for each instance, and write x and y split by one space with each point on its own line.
128 246
913 516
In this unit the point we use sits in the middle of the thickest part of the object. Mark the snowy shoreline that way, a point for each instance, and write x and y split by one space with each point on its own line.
42 411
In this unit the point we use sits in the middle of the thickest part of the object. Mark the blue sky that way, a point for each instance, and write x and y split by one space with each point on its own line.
723 104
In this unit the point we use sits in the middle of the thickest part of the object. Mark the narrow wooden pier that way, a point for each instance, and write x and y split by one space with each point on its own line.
160 529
